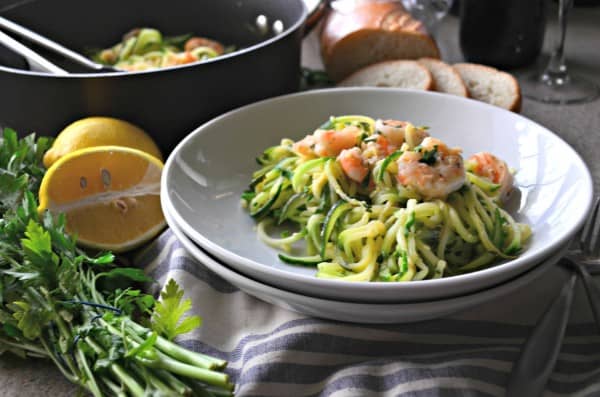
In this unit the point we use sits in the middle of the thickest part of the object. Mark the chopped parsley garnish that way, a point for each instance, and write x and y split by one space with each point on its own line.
429 156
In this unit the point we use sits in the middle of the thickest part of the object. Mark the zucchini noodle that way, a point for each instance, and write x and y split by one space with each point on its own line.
383 202
147 48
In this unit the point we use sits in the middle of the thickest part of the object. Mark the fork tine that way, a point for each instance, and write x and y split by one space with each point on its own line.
588 240
594 245
585 232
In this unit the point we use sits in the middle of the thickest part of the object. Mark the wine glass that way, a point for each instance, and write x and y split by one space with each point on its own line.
429 12
555 84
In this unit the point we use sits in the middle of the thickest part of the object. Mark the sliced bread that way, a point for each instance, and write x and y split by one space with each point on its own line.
368 32
491 85
445 77
397 74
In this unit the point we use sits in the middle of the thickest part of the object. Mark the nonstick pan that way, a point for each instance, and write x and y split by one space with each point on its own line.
168 103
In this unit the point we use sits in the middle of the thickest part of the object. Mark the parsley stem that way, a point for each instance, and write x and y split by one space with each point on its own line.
67 374
53 349
157 383
91 380
180 353
205 375
116 369
219 392
180 388
133 386
28 348
115 389
171 364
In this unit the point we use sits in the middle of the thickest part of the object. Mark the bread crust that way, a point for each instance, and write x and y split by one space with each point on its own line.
426 62
346 29
464 68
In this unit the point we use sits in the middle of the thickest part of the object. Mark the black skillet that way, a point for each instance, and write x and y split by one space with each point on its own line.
168 103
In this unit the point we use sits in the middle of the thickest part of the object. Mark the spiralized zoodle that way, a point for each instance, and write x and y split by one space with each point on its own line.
147 48
383 201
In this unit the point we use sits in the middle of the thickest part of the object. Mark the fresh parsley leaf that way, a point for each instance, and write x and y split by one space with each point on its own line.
168 312
21 166
131 273
40 259
31 317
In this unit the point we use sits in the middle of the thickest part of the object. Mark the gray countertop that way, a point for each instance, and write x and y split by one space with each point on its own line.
579 125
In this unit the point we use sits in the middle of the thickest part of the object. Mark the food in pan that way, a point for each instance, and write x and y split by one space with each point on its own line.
147 48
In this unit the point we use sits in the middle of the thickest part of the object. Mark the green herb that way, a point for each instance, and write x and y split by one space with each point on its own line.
21 166
429 156
312 79
167 316
84 312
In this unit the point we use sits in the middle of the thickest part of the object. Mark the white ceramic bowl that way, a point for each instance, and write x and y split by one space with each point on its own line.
206 173
377 313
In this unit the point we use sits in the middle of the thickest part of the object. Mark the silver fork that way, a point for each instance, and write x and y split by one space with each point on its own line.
540 351
587 258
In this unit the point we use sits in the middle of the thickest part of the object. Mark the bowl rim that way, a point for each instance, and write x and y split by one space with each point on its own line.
445 282
243 51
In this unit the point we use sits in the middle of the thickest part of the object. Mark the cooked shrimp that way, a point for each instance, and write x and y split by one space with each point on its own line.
328 143
392 131
178 58
195 42
305 146
397 132
491 167
353 164
375 150
434 171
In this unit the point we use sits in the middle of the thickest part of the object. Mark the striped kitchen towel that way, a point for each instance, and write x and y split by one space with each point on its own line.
276 352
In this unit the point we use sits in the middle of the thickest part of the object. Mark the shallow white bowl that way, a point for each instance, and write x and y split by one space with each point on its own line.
376 313
207 172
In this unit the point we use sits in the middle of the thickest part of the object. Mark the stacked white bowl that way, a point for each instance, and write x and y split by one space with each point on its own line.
209 170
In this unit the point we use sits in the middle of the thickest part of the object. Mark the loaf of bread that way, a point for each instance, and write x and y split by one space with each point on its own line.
491 85
367 32
398 74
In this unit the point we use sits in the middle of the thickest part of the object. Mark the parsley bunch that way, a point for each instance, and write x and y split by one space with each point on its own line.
83 312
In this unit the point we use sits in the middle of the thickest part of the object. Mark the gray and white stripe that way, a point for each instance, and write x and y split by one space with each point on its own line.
275 352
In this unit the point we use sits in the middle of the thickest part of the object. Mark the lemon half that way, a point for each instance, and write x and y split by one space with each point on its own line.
109 195
100 131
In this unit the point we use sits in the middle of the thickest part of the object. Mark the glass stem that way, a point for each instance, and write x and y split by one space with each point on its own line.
556 71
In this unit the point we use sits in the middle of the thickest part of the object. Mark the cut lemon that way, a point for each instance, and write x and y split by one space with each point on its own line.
109 195
99 131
